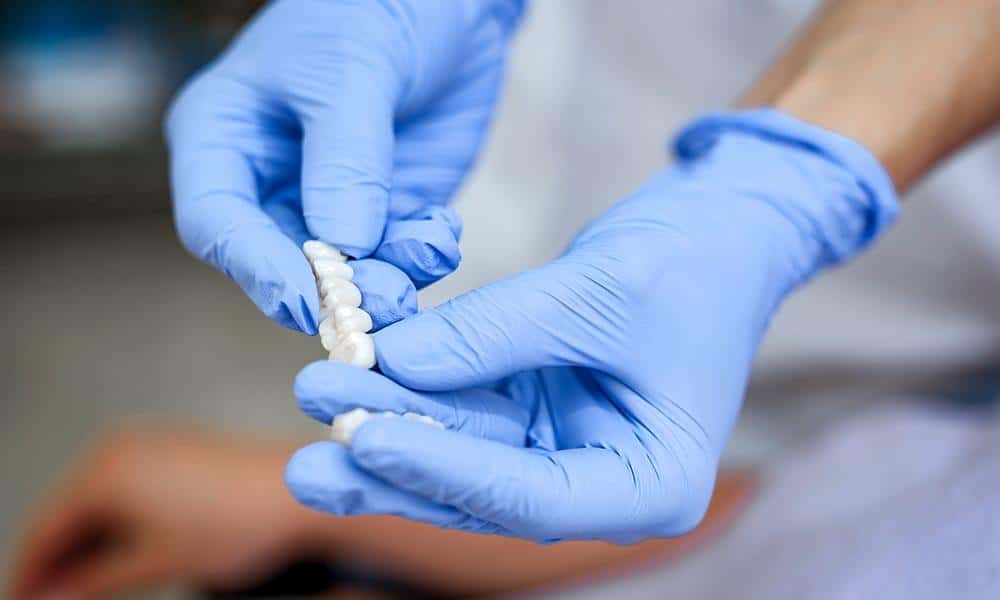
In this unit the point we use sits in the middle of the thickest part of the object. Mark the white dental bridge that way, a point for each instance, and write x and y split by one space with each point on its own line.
343 330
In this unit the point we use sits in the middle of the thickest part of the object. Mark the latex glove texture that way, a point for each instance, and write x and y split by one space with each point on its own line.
350 122
592 397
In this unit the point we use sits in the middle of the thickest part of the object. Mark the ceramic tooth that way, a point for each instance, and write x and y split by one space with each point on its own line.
327 269
344 425
350 318
340 291
316 250
354 348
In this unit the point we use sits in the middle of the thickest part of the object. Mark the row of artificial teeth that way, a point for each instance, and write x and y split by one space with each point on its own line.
343 330
345 424
343 326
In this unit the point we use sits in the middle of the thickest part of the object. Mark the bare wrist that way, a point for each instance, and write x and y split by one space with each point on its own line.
891 76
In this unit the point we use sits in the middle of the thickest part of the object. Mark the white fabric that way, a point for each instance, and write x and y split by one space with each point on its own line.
898 502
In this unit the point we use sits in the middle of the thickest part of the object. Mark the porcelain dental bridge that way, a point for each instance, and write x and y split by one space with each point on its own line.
344 330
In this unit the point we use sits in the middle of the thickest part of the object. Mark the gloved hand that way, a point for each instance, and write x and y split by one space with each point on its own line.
592 397
350 122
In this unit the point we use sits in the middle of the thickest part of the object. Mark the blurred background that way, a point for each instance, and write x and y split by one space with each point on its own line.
110 320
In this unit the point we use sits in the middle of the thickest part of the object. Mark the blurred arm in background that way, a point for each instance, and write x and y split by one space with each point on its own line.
911 80
181 505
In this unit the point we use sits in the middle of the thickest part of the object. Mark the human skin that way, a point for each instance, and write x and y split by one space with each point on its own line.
912 80
150 506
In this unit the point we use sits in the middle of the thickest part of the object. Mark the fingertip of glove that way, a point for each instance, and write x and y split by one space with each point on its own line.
425 248
274 273
393 351
301 472
293 313
310 382
352 219
328 379
320 476
388 294
417 352
425 262
303 316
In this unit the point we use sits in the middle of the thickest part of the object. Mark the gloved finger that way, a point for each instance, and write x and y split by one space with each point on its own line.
539 318
284 206
122 568
324 389
347 155
219 219
226 230
323 477
546 496
387 294
423 245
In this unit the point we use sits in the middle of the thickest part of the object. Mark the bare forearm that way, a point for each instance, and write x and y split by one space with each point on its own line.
912 80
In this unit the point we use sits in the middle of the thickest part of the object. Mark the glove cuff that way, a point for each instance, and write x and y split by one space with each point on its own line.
863 202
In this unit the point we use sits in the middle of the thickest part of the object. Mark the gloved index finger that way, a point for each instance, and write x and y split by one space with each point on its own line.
325 389
215 129
219 219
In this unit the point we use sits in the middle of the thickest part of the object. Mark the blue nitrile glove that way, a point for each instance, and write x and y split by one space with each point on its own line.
592 397
350 122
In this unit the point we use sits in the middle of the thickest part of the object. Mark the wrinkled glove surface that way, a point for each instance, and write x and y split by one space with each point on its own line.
592 397
350 122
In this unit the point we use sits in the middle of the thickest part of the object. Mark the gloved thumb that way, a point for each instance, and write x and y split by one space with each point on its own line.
540 318
347 157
